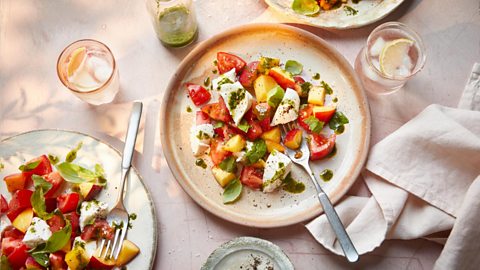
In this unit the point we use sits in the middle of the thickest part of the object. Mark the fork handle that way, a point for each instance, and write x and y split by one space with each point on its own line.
342 236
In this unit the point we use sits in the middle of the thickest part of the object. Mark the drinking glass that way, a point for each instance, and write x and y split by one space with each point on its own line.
88 69
393 54
174 21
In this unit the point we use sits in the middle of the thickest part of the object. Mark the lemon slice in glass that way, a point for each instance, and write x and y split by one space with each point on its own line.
76 60
394 56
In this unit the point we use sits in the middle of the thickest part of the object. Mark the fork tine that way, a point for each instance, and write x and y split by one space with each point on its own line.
120 244
109 242
102 245
115 239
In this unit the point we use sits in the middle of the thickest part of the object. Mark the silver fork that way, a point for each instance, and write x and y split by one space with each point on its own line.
301 157
118 216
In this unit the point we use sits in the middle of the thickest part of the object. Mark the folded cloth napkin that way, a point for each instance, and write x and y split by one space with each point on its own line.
424 178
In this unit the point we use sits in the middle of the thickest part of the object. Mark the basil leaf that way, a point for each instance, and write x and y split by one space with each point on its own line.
72 155
327 88
232 192
38 202
229 165
53 159
339 119
314 124
29 166
76 174
99 171
293 67
306 7
5 265
244 126
257 151
41 258
40 182
59 238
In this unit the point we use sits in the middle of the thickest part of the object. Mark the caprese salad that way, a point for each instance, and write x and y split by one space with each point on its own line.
53 220
238 118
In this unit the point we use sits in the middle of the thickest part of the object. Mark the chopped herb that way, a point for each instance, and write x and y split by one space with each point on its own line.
316 76
218 124
53 159
267 63
202 135
326 175
314 124
214 71
229 165
72 155
335 99
215 62
201 163
293 67
206 82
232 192
189 109
327 88
349 10
132 216
291 185
235 98
244 126
29 166
257 151
338 119
306 86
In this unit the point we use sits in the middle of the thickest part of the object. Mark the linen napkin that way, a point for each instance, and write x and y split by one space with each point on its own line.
424 178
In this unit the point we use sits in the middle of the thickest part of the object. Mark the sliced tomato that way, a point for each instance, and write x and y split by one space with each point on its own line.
227 61
31 264
51 204
202 118
68 202
44 167
11 232
227 131
320 146
251 177
3 205
255 130
9 244
265 124
249 74
57 261
20 200
18 256
198 94
99 229
56 180
217 154
303 114
56 223
74 219
218 111
16 181
298 79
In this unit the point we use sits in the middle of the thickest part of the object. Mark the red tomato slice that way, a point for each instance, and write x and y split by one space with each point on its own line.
265 124
218 111
298 79
11 232
74 219
56 223
20 200
249 74
56 180
57 261
217 154
320 146
51 204
3 205
251 177
9 244
18 257
202 118
227 131
255 130
68 202
228 61
198 94
99 229
43 168
16 181
303 114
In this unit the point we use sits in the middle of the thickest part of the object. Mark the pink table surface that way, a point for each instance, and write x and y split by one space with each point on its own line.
33 33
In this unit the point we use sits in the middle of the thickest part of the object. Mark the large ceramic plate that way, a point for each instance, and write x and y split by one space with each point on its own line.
285 42
18 149
369 11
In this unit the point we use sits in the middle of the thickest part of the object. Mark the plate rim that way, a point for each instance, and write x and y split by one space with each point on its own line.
299 19
149 196
167 146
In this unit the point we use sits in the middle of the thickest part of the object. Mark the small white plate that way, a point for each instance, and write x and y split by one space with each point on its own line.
248 253
369 12
18 149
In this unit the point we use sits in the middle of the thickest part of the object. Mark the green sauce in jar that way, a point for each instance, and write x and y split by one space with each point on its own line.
176 26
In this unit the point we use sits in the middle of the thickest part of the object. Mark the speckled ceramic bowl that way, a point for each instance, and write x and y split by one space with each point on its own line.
254 207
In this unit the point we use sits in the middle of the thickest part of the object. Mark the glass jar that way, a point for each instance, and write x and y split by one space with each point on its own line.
174 21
